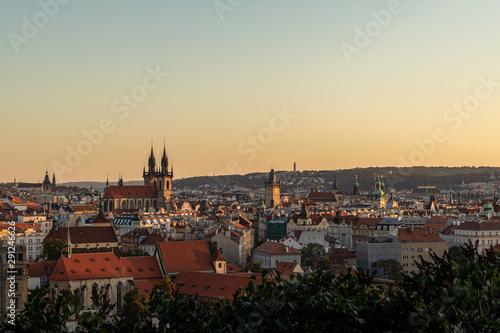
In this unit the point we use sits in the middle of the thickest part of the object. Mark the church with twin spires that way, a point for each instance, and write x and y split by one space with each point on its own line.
156 192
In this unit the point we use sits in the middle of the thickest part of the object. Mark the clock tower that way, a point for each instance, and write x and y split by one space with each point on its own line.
272 190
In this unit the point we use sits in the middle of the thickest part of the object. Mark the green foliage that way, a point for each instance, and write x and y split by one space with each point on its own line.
314 255
212 247
52 249
71 298
136 305
456 254
393 268
136 253
42 315
443 297
254 267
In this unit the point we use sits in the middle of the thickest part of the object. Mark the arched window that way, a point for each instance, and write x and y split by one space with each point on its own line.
111 206
146 206
131 204
95 294
168 185
83 295
119 288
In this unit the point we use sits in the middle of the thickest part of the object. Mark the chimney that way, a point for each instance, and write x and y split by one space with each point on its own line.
228 234
287 249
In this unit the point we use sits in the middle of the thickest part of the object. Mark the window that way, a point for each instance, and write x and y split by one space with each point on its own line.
413 257
412 249
30 240
119 296
405 249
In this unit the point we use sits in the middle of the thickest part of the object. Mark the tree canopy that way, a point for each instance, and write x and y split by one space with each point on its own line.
52 249
393 268
443 297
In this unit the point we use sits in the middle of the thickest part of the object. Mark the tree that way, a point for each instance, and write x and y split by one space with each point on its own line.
314 255
212 247
254 267
52 249
136 305
392 268
71 298
456 254
136 253
165 288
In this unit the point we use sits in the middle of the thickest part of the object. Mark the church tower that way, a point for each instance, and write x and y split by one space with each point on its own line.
164 183
272 188
150 175
356 192
46 186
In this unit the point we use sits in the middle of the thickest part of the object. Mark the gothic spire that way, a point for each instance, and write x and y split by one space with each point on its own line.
335 185
68 243
164 160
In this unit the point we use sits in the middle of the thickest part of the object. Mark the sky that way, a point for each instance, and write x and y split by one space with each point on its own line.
239 86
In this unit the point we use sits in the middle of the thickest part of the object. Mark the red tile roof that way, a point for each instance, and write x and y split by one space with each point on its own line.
152 240
131 191
145 285
89 266
322 197
211 285
15 200
142 267
21 227
218 256
79 235
371 222
418 235
34 206
287 268
180 256
232 268
483 226
270 247
41 268
340 255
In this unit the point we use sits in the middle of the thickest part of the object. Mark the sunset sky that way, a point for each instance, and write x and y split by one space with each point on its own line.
240 86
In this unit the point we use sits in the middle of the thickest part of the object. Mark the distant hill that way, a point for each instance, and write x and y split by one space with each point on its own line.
398 178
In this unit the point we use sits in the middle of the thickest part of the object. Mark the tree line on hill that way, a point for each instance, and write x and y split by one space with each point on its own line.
398 178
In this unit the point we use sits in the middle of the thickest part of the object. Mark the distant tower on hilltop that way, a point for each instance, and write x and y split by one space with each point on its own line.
294 166
273 190
54 180
356 191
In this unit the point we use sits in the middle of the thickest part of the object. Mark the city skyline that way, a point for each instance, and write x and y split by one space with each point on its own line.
243 87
